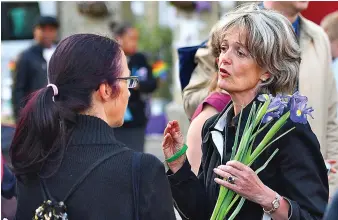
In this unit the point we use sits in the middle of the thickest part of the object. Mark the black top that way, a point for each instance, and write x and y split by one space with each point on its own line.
137 109
107 193
30 74
297 172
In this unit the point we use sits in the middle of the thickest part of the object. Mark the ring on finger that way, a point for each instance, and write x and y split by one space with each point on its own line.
231 179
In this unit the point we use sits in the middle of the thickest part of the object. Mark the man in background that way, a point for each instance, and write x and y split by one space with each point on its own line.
330 25
30 73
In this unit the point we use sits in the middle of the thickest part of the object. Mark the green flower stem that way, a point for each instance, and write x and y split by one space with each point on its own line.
245 138
234 147
262 111
239 206
225 204
253 159
270 135
222 194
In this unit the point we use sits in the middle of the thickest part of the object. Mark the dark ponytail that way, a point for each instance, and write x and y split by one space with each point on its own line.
77 67
41 125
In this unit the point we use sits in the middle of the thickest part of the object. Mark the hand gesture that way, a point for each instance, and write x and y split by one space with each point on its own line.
173 141
245 182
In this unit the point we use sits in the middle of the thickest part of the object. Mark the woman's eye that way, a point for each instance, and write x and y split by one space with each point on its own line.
240 53
223 48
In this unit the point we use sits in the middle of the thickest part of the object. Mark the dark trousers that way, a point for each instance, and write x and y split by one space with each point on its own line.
132 137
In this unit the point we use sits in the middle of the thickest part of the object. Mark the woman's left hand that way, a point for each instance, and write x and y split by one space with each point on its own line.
246 182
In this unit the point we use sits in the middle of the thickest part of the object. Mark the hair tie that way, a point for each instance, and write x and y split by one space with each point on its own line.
55 89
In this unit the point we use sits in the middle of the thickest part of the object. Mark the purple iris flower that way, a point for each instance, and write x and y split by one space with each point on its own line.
299 109
269 116
275 108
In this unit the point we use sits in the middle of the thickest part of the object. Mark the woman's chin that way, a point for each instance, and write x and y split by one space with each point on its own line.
117 124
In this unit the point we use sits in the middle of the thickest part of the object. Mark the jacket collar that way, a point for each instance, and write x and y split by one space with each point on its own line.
226 118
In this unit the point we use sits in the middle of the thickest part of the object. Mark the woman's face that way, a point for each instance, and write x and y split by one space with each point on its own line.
238 71
118 105
129 41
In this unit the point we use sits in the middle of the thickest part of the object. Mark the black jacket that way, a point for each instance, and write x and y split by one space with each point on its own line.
107 193
139 66
29 75
297 172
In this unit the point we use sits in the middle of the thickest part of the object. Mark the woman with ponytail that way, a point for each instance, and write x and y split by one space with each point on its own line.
64 152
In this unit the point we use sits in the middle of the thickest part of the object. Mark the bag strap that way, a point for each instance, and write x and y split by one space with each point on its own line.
135 173
46 193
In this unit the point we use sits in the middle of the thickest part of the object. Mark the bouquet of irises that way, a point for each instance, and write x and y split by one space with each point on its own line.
269 112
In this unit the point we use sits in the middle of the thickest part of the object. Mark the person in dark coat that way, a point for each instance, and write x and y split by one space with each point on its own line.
257 53
138 109
64 151
30 73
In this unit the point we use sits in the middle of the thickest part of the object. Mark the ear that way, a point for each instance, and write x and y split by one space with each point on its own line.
105 92
265 76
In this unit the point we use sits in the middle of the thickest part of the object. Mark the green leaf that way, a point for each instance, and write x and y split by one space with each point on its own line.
245 137
246 149
262 112
273 130
280 136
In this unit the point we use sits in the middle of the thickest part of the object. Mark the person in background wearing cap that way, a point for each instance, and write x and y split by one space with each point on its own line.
31 67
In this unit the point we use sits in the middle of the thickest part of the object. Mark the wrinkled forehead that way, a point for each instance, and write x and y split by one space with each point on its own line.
235 32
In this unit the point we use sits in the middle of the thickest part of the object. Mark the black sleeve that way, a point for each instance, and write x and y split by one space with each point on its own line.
20 84
149 84
155 197
188 191
303 173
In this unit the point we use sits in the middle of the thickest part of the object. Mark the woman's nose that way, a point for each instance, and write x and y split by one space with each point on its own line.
225 58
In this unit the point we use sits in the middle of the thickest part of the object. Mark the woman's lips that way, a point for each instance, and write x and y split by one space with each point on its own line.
223 73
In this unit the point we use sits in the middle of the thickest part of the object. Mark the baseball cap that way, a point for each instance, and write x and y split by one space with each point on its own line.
46 20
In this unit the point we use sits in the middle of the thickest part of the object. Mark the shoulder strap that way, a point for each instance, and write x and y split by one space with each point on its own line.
90 169
47 195
135 173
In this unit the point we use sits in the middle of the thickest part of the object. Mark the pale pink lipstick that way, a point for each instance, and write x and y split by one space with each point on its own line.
223 73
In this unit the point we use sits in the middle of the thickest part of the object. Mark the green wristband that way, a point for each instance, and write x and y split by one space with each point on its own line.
178 154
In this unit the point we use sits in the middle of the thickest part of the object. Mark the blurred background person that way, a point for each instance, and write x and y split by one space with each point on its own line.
330 25
132 133
316 80
30 73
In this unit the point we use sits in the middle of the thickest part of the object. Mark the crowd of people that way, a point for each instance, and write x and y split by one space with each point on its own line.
77 148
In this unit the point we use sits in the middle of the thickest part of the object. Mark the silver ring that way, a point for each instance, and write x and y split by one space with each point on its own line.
231 179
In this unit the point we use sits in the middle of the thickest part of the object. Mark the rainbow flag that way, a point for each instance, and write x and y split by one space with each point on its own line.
160 69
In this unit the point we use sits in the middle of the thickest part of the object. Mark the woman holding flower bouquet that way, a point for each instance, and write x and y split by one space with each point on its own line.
260 148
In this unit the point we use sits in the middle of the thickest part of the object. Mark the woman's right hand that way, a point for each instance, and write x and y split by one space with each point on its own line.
173 141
